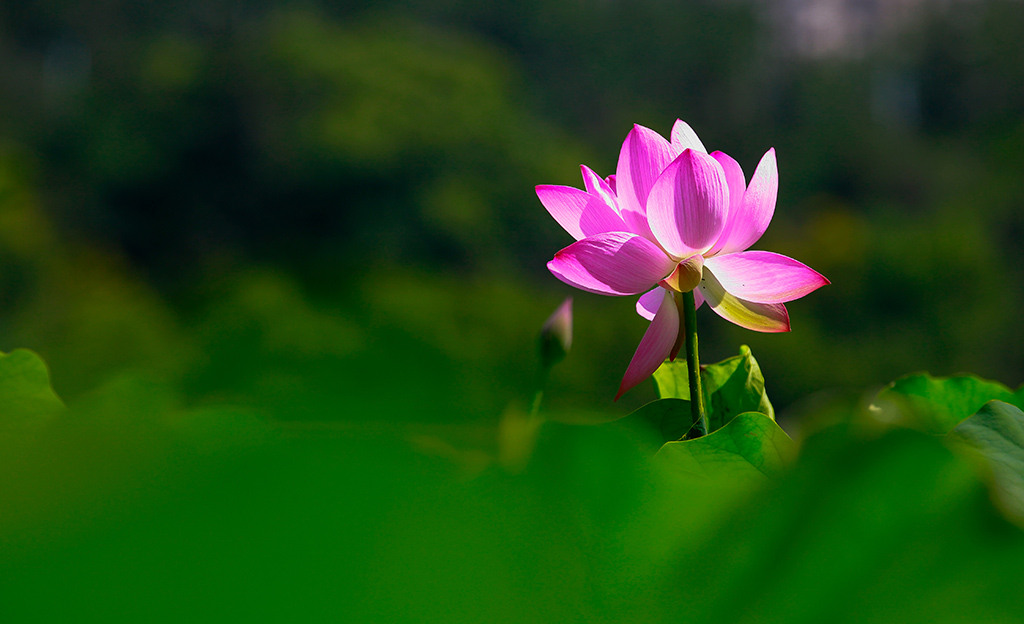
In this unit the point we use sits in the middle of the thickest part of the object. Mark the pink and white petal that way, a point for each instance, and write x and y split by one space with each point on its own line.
580 213
597 186
684 137
598 218
733 175
764 276
611 182
688 205
643 157
737 188
612 263
647 305
762 317
735 178
698 299
654 346
755 212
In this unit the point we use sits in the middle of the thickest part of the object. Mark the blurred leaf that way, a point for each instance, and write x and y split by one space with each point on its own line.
892 529
517 437
365 529
671 418
731 387
25 391
937 404
750 445
996 433
94 317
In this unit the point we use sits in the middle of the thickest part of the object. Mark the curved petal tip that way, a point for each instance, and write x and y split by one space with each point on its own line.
654 347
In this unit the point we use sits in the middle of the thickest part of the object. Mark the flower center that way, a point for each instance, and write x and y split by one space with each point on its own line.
687 275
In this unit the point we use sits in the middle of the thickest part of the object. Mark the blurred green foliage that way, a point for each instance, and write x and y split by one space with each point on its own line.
130 506
287 269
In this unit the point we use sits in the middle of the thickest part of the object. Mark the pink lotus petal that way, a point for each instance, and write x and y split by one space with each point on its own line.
654 346
737 188
599 187
612 263
611 182
764 276
684 137
698 299
762 317
644 155
580 213
688 204
734 176
648 303
755 212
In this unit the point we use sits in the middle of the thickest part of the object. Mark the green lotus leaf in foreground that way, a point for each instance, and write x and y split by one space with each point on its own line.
889 529
938 404
996 435
731 387
26 395
750 445
104 521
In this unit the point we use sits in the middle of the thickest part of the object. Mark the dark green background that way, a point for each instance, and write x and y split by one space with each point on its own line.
300 205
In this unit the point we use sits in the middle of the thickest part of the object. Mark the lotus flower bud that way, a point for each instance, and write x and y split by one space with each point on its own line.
556 335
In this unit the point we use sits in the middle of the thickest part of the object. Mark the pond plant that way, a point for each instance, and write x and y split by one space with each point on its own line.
904 504
675 223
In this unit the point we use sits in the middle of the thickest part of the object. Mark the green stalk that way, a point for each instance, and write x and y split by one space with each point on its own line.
542 382
537 398
689 329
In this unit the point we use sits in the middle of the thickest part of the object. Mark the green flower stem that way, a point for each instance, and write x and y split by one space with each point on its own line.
689 318
538 397
535 405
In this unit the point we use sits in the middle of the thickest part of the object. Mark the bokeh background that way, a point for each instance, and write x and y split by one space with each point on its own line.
219 214
292 205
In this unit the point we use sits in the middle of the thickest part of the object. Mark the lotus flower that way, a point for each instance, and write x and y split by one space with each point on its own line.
675 219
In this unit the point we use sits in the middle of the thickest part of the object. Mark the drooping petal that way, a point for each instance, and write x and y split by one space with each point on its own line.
580 213
596 185
684 137
749 221
762 317
654 346
648 303
688 204
612 263
643 157
764 276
